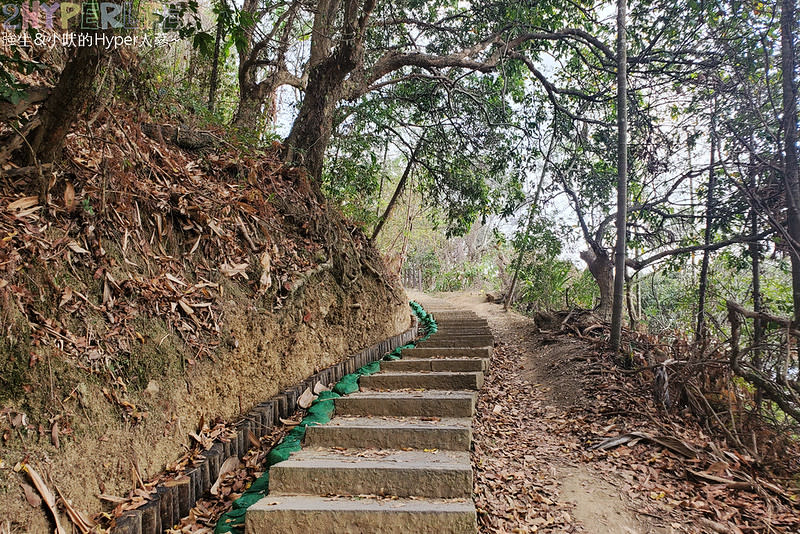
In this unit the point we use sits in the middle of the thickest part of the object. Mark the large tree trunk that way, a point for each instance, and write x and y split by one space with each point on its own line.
329 68
602 269
313 127
790 165
622 177
59 111
249 111
63 105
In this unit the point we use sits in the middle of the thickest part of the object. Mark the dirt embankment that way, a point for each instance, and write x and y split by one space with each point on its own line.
160 289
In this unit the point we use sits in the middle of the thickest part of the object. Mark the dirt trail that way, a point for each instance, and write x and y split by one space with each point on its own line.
527 459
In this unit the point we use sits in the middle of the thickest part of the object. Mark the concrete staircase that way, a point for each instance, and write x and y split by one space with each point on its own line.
396 456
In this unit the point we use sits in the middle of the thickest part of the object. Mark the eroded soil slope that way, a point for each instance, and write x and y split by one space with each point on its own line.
158 293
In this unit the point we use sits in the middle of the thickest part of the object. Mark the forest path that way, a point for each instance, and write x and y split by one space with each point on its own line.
529 472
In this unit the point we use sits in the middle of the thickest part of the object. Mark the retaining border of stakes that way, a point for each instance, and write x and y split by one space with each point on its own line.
174 498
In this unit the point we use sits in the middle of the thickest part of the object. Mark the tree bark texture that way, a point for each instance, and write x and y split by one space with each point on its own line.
700 331
329 68
313 127
602 269
790 165
755 259
212 89
622 178
63 105
249 111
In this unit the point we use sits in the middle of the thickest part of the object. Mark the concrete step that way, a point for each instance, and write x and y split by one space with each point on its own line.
461 331
457 330
461 340
454 315
437 364
451 434
437 380
458 342
422 351
408 403
304 514
465 332
438 475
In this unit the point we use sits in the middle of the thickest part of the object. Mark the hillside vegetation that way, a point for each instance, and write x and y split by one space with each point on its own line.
161 292
196 215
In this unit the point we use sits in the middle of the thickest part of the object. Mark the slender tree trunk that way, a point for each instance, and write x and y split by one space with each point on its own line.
401 187
520 256
758 325
700 331
790 164
523 249
629 301
755 259
622 177
212 90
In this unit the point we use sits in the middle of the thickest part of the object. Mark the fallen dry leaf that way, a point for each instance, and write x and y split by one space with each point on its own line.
79 519
54 431
22 204
305 400
47 495
31 496
69 197
227 466
75 247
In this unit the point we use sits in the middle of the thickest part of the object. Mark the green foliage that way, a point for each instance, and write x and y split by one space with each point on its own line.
12 63
470 154
467 275
11 89
545 281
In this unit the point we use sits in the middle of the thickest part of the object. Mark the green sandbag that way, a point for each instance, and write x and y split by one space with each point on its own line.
347 385
395 354
319 413
426 320
291 443
369 369
327 395
233 519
